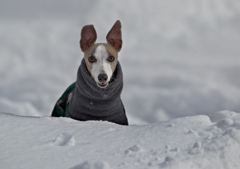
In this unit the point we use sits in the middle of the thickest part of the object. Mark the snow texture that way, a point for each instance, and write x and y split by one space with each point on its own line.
196 142
180 61
179 58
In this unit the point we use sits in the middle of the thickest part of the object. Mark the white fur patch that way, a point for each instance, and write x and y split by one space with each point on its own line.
101 65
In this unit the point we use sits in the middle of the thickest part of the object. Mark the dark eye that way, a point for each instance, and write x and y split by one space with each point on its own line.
92 59
111 59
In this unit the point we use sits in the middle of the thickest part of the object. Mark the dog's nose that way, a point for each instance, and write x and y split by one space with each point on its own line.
102 77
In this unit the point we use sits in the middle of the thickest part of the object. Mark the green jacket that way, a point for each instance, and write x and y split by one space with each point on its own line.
61 108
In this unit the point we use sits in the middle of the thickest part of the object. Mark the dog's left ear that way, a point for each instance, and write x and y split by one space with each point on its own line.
114 36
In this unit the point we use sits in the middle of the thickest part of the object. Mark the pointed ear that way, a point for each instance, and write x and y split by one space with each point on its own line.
88 37
114 36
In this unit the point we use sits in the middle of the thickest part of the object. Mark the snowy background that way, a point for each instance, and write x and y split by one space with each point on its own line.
179 58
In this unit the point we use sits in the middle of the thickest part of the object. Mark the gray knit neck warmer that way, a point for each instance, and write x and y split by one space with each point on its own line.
89 102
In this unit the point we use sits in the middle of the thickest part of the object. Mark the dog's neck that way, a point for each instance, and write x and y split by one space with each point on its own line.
89 102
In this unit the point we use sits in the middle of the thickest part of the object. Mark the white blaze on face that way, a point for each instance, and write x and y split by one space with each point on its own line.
101 65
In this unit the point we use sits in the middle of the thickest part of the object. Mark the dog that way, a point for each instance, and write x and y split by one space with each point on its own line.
96 93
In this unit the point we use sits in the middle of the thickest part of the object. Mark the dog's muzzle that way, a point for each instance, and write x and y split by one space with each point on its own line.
102 78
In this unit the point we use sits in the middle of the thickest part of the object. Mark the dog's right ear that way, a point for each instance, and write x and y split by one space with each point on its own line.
88 37
114 36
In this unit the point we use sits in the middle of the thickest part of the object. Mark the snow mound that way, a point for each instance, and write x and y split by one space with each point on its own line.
63 140
89 165
190 142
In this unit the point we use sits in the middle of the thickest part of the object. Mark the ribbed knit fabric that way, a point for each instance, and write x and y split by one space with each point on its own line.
90 102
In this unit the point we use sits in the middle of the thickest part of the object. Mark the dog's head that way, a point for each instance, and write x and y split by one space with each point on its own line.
101 58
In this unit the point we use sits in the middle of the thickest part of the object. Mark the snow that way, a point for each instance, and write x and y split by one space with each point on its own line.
195 142
180 61
179 58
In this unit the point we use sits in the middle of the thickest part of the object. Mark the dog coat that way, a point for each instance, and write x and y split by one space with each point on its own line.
61 108
84 100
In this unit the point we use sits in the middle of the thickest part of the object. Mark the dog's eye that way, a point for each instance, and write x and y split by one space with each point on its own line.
111 59
92 59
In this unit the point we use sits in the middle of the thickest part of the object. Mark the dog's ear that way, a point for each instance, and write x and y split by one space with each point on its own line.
88 37
114 36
